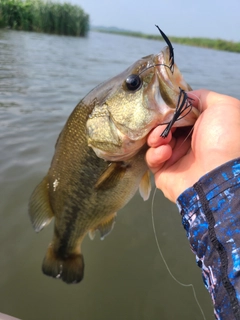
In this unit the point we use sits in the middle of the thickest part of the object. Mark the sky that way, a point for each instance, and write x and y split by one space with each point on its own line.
191 18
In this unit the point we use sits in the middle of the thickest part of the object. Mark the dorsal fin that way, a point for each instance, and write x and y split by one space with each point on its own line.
40 211
145 186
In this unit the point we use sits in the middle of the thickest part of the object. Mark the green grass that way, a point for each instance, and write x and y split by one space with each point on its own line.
44 16
217 44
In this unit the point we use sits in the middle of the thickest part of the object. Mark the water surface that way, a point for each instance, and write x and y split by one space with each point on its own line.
42 78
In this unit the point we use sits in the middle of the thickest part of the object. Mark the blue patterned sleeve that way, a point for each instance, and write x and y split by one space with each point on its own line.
210 213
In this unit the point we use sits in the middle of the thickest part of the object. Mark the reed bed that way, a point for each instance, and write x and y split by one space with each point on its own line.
44 16
217 44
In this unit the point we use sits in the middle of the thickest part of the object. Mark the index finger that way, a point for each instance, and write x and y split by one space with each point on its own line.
203 99
154 139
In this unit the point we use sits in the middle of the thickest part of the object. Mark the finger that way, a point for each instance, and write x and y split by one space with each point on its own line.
203 99
154 139
181 148
167 178
156 157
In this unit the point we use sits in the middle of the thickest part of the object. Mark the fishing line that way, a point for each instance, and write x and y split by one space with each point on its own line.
200 108
165 262
181 107
155 65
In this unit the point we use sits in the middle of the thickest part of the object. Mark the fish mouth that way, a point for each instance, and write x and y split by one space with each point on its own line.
169 74
171 86
156 104
163 64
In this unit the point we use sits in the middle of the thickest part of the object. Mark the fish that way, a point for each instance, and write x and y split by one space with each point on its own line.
99 160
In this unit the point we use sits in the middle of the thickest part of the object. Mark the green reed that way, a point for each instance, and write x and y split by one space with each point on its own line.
44 16
217 44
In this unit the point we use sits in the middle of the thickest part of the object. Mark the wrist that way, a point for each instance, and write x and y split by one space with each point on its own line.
213 180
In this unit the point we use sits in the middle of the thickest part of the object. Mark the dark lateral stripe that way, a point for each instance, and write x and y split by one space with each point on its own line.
221 251
70 222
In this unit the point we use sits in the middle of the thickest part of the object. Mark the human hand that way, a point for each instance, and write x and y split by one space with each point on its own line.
178 164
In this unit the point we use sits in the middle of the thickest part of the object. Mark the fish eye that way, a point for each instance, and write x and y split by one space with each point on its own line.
133 82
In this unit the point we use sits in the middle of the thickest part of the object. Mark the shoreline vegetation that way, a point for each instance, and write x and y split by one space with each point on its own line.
44 16
217 44
67 19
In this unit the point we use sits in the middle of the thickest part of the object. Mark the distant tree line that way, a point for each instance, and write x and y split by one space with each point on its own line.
217 44
44 16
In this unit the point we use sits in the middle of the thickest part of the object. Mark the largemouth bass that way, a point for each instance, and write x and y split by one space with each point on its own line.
99 163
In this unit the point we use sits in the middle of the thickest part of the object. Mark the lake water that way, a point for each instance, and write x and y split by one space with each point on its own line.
42 78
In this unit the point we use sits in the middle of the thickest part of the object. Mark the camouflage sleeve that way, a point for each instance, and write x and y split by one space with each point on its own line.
210 213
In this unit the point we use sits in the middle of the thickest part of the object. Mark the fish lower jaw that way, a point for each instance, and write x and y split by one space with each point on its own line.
123 153
186 119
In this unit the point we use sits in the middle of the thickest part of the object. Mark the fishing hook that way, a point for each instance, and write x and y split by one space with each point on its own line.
171 53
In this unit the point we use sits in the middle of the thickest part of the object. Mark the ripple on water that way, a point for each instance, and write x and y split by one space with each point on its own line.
42 78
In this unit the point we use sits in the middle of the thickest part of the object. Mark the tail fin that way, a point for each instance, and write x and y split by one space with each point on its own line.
69 269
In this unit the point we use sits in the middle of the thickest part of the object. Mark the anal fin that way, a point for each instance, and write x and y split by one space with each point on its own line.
91 234
105 227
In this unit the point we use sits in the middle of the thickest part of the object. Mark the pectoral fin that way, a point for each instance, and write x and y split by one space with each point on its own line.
111 176
40 211
145 186
105 227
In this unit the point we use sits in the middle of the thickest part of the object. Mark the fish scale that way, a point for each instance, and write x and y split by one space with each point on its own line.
99 160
